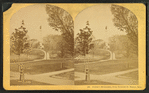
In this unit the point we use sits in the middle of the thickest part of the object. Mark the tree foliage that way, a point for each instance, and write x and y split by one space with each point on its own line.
112 43
122 43
126 21
55 44
63 48
50 42
18 41
60 20
34 43
83 40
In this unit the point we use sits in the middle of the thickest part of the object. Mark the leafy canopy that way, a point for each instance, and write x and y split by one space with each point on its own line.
18 40
83 40
126 21
60 20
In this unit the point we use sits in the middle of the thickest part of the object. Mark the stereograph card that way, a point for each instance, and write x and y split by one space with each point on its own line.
69 46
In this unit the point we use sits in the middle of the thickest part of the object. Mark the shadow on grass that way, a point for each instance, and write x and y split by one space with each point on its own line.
43 66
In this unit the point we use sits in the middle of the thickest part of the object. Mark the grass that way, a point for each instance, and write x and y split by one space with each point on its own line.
43 66
66 75
91 60
24 57
26 82
92 82
132 75
110 66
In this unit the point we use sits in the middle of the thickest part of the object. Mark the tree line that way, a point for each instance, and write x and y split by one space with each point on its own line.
61 21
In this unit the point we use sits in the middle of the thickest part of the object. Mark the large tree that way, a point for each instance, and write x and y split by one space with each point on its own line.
121 43
51 43
60 20
61 46
31 44
126 21
83 40
18 40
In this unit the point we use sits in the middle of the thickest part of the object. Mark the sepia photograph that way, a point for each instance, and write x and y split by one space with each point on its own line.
74 47
41 46
106 45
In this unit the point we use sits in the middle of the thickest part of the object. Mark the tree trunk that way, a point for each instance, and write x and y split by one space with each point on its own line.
62 63
19 57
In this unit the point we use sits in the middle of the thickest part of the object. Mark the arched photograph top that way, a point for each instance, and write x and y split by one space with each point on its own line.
41 34
106 35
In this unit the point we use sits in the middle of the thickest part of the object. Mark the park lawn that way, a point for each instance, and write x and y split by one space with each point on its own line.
92 82
66 75
90 59
110 66
31 55
76 61
26 82
43 66
24 57
131 75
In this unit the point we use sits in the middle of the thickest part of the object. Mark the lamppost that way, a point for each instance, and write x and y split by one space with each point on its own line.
87 33
84 40
22 30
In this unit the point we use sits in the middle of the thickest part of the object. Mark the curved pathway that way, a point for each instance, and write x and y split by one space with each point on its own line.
111 78
45 77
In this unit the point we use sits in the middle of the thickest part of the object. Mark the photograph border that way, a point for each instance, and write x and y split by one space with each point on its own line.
138 9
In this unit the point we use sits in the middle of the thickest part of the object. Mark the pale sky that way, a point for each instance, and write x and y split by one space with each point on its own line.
99 16
34 16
